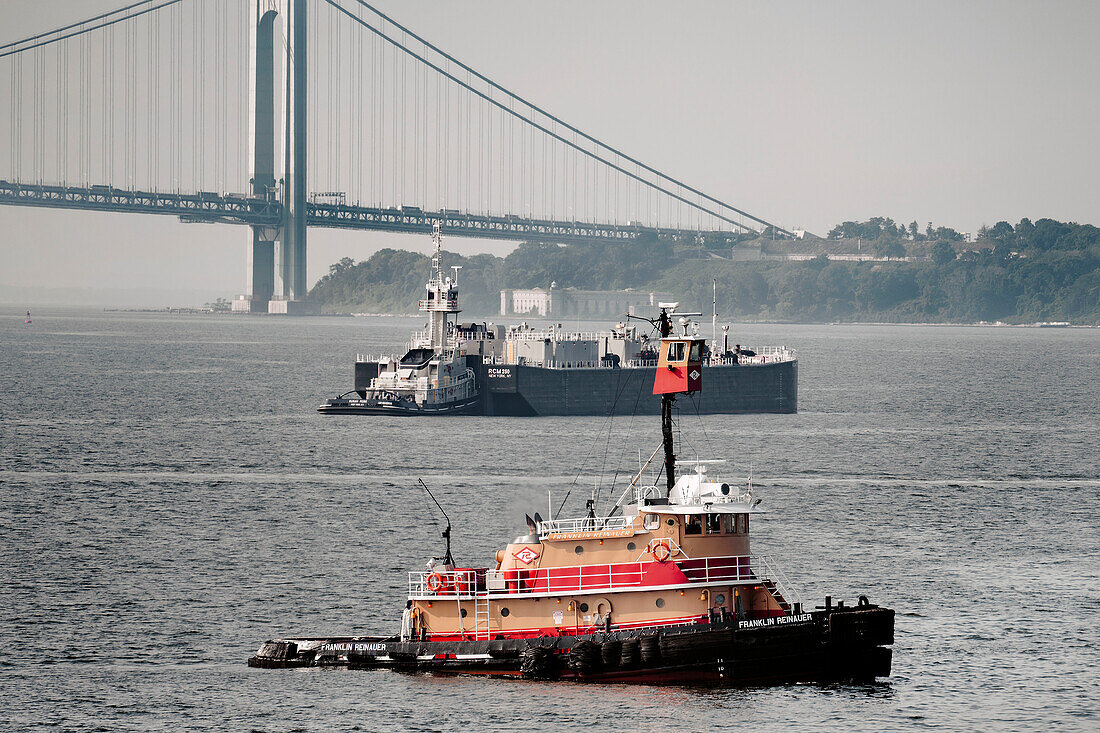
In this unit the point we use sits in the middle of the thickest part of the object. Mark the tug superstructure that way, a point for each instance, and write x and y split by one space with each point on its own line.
663 588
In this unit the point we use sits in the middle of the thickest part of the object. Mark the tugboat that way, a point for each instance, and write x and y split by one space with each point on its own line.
433 376
661 589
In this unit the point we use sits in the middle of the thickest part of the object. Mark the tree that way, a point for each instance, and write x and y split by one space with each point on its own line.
1000 232
888 247
1025 230
942 253
946 233
914 231
340 267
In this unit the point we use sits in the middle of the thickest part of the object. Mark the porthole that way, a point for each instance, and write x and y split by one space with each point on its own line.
462 613
660 603
504 612
578 549
631 546
584 608
671 522
720 599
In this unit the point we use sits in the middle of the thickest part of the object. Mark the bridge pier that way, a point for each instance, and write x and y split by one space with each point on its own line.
293 261
276 280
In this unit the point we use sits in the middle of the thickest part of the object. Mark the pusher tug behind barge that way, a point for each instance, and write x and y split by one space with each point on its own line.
520 371
663 589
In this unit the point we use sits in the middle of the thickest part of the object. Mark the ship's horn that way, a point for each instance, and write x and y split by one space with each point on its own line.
530 523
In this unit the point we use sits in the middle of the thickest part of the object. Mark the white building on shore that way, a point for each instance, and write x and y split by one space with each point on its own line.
570 302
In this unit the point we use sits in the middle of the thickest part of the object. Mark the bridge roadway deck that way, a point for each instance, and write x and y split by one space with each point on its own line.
233 208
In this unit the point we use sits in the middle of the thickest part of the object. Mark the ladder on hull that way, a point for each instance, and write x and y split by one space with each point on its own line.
481 616
773 589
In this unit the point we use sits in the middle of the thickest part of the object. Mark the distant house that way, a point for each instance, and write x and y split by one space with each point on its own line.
571 302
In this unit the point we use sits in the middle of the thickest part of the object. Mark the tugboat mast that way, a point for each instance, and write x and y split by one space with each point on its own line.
441 298
675 381
664 327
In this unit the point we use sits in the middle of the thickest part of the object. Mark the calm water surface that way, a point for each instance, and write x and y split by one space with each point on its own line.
171 499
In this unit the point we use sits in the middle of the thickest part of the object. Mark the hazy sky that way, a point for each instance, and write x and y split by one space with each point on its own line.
805 113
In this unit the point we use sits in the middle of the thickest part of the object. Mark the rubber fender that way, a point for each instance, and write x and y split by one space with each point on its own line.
538 663
585 657
612 652
631 653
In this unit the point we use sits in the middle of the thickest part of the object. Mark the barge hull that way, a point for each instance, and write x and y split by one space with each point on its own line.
528 391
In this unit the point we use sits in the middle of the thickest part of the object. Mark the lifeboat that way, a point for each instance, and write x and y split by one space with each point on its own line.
662 588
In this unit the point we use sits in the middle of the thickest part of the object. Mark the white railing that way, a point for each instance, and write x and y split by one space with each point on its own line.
392 381
463 582
770 570
467 582
773 356
559 335
583 524
764 355
462 387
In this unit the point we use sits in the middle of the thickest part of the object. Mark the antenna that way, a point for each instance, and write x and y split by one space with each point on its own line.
714 317
448 559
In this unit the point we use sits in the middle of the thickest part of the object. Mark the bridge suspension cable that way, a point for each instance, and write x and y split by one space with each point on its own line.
595 179
563 123
125 99
58 34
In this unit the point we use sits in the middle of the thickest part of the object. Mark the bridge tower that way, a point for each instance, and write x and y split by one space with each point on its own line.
277 254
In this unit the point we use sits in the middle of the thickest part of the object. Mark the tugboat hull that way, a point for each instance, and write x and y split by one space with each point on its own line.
837 644
356 406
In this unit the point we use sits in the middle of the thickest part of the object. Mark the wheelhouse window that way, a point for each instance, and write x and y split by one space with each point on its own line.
694 524
729 523
696 350
652 521
676 351
714 523
743 523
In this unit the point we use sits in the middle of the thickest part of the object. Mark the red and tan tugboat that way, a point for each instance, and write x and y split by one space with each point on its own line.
662 589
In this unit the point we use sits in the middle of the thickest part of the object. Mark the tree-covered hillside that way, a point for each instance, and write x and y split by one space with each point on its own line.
1041 271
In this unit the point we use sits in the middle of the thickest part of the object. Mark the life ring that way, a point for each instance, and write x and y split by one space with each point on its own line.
436 582
660 551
